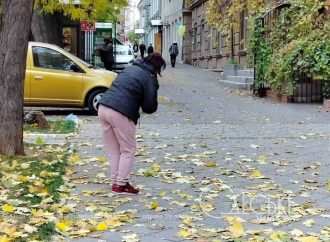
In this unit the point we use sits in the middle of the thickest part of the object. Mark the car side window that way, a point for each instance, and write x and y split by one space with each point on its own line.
51 59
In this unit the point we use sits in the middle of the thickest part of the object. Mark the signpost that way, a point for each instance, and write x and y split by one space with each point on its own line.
89 29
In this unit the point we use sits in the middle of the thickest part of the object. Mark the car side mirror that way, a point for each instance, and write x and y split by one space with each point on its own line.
75 68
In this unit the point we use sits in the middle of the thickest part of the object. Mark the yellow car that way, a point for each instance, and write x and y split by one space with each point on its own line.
54 77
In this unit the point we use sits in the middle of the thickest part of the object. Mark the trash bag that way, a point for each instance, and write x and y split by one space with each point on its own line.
73 118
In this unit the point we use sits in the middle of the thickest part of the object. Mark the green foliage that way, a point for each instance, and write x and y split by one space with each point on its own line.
261 51
45 231
87 9
56 127
224 14
296 46
133 37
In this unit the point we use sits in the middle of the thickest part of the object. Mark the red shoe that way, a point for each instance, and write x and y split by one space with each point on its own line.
126 189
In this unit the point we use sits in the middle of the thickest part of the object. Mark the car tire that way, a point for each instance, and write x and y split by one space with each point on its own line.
93 100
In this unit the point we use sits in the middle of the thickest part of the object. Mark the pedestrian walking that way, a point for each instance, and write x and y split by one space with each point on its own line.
142 48
135 49
106 53
136 87
150 49
174 52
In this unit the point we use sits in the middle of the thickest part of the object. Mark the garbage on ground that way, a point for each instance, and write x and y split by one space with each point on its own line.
73 118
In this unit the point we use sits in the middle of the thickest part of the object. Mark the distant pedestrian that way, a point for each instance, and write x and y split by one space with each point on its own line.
106 53
150 49
174 52
142 48
135 49
136 87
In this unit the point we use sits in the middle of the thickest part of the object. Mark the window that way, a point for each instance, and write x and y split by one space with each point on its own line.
121 51
207 38
195 37
223 41
51 59
215 38
201 35
243 28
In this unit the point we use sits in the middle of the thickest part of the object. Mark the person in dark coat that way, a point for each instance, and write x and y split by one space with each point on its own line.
106 53
136 87
142 48
135 49
174 52
150 49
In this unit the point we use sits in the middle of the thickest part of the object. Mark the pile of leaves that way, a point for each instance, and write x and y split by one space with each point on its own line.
32 188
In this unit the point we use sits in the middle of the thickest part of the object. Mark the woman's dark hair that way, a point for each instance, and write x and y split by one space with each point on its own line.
157 61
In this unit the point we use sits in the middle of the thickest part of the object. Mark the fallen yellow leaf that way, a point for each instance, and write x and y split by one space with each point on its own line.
113 223
8 208
309 223
154 204
256 174
102 226
308 239
279 236
5 239
210 164
63 225
184 233
75 158
236 227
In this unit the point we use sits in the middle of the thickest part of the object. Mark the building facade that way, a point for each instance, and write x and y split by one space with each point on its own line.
213 49
150 12
172 19
131 17
187 37
120 26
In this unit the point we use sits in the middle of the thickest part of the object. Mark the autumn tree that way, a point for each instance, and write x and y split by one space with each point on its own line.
133 37
51 15
14 35
15 22
86 9
224 14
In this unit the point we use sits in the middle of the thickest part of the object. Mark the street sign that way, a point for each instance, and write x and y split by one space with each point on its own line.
87 26
156 22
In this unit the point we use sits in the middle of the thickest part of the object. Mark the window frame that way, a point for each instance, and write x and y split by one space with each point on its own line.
54 69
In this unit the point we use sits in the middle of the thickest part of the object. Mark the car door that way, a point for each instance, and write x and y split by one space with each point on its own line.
53 79
27 80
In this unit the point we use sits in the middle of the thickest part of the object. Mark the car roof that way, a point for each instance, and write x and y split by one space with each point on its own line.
41 44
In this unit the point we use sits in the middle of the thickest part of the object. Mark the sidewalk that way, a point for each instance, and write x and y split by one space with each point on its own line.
213 166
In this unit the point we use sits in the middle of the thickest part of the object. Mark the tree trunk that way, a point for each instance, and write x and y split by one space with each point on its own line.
14 34
42 23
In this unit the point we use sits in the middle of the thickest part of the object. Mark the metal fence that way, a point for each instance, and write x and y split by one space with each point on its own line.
307 90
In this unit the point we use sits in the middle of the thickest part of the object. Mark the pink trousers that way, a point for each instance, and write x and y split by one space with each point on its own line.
119 143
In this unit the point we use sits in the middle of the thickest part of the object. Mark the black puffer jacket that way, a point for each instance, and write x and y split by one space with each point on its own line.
136 87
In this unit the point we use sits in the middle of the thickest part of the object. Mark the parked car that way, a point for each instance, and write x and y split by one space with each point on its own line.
123 57
54 77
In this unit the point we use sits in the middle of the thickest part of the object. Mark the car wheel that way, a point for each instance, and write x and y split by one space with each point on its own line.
94 100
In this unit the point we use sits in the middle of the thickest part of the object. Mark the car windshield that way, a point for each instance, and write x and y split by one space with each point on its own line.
76 59
123 51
